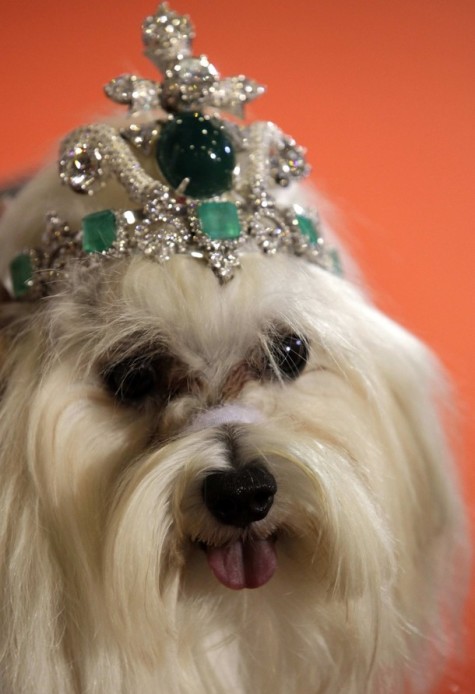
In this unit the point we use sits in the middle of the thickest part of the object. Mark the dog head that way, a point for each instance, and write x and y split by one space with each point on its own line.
167 439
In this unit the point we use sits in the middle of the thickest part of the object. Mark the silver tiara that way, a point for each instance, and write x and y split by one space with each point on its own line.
200 183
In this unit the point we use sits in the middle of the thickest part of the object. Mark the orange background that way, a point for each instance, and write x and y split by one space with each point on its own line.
380 91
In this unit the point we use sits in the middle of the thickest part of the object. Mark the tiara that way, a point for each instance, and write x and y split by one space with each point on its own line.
199 182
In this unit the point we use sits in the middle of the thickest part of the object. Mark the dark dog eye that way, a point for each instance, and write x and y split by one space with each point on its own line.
290 355
130 380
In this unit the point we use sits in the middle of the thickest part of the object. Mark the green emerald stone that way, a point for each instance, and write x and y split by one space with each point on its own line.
196 147
21 271
219 220
99 231
307 227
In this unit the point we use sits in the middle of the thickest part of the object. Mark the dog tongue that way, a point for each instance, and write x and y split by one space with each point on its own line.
243 564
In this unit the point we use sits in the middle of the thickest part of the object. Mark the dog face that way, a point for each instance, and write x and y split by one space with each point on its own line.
170 444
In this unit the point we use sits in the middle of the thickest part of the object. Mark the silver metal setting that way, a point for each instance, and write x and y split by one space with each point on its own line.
166 220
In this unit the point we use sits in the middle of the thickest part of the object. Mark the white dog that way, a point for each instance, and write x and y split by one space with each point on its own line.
169 442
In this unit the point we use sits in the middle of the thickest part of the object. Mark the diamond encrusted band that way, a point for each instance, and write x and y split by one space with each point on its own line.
202 184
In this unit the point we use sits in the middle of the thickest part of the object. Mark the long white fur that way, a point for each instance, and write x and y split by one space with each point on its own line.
103 586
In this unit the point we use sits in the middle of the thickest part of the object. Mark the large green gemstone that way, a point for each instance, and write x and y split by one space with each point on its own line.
196 147
307 227
219 220
99 231
21 271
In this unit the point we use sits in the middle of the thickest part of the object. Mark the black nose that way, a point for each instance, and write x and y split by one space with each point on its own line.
239 497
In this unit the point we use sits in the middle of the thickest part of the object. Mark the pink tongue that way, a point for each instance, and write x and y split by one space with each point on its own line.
244 564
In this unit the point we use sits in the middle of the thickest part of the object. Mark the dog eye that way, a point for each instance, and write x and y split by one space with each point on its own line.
290 355
130 380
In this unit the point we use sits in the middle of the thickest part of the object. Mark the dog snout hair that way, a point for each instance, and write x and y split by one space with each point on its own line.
240 497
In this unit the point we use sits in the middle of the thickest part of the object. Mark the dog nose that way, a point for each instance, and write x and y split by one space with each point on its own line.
239 497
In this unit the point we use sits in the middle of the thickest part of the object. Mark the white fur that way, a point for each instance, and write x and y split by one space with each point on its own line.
103 587
226 414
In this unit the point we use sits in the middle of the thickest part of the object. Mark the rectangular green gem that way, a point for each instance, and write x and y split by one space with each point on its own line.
307 227
99 231
21 271
219 220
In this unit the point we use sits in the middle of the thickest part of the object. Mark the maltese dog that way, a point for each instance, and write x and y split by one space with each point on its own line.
222 468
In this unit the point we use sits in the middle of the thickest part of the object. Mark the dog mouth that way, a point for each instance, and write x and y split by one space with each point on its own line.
244 563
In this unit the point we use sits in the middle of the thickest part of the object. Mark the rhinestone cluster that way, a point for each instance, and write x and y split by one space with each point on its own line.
206 187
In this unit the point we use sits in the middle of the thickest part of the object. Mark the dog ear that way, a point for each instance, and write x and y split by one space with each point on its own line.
421 413
435 520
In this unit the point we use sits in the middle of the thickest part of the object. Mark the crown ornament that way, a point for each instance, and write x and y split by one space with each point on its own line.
201 183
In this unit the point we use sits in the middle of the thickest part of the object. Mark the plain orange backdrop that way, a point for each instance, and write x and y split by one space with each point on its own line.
382 94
